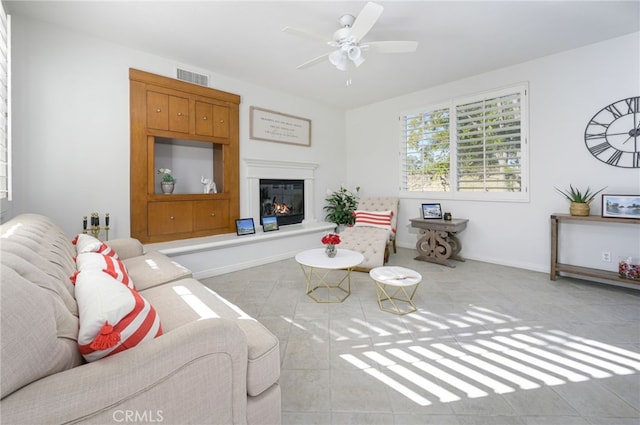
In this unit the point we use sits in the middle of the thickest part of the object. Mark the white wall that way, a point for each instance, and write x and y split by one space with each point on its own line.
71 126
71 141
566 90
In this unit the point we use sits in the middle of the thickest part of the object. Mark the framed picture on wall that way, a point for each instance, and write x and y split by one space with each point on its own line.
431 211
244 226
621 206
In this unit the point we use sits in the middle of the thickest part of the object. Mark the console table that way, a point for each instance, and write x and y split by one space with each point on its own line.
437 242
557 267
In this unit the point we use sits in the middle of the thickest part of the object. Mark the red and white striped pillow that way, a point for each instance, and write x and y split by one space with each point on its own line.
87 243
113 266
380 219
113 317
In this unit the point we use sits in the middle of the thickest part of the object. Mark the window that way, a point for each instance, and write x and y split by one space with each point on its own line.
472 148
4 111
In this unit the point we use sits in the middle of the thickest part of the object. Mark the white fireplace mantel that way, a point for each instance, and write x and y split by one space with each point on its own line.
267 169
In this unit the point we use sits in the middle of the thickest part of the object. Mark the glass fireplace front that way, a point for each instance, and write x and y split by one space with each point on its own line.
282 198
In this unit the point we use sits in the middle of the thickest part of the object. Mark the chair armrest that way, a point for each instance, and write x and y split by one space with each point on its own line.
192 374
126 247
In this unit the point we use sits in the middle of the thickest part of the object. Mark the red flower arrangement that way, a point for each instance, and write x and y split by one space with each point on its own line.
331 239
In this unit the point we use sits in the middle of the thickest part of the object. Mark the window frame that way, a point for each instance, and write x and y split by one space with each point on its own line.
521 196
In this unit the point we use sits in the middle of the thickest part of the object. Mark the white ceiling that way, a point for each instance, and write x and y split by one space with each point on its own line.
243 39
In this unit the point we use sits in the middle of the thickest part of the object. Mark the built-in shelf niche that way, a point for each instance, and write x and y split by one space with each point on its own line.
189 161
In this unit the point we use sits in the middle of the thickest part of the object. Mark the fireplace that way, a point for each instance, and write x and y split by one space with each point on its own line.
283 198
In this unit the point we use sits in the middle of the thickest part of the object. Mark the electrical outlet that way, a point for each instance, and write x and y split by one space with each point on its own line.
606 256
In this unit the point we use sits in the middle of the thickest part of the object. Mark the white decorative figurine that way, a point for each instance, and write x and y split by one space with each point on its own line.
209 185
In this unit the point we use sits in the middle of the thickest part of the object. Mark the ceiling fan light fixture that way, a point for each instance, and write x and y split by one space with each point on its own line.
355 54
338 58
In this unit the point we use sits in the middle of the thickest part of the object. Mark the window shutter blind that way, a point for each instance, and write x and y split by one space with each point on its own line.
425 148
4 103
489 147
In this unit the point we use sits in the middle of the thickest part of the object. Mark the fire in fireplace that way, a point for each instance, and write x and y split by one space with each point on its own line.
282 198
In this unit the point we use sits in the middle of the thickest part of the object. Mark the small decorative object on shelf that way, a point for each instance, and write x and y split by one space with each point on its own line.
168 181
447 216
331 240
579 200
629 268
209 185
95 228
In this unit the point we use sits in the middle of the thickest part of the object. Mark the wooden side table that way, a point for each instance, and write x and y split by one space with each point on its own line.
437 242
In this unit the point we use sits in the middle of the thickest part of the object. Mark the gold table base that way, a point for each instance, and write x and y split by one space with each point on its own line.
322 291
391 298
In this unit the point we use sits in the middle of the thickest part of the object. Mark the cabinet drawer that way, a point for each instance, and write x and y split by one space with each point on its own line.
166 218
210 215
157 110
167 112
212 119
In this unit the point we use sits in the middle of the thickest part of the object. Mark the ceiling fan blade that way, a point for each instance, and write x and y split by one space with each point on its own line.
306 34
365 20
313 61
392 46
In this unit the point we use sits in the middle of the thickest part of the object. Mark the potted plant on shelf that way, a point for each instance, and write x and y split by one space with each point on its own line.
168 181
340 206
579 200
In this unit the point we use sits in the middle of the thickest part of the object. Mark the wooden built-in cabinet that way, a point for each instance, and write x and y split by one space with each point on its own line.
164 109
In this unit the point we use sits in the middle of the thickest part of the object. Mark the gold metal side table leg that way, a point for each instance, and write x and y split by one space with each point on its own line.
335 292
382 292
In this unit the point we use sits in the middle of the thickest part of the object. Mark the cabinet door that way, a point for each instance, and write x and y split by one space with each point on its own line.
204 118
157 110
210 215
220 121
165 218
179 114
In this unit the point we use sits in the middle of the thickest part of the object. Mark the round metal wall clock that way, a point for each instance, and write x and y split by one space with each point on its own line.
613 134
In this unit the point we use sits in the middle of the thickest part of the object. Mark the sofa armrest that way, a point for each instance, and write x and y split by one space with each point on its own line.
126 247
193 374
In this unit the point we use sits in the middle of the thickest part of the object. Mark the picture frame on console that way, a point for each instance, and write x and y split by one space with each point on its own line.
432 211
269 223
621 206
245 226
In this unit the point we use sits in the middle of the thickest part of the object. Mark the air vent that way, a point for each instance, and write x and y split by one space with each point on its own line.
193 77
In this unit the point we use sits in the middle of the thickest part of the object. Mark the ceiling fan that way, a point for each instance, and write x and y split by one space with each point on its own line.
347 40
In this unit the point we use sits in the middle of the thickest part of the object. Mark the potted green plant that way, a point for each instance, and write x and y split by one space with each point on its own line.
580 200
168 181
340 206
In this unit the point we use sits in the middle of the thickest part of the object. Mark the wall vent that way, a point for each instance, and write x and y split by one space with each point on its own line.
192 77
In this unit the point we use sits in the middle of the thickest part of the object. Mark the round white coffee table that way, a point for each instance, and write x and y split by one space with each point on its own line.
318 268
395 288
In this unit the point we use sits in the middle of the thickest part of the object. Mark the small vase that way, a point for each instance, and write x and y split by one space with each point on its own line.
167 187
579 209
331 250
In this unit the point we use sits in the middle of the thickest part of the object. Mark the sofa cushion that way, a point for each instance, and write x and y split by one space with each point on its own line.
371 242
113 317
32 345
154 268
187 300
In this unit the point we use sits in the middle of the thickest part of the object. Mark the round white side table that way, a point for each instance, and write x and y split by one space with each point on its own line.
395 288
317 268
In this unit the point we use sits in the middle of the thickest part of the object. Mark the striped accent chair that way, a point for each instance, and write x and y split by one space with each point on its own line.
374 232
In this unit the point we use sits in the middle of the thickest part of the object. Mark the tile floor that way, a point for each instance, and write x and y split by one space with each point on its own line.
488 345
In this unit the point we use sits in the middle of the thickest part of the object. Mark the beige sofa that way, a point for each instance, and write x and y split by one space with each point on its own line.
212 365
